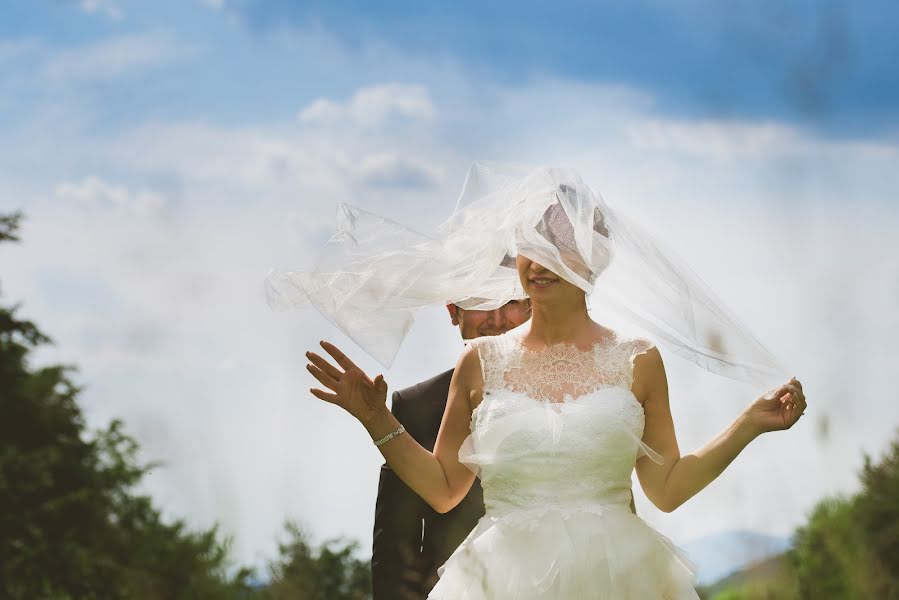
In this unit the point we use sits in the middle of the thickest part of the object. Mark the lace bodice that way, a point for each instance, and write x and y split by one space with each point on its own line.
557 428
559 372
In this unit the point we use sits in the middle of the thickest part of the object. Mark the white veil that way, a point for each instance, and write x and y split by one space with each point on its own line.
374 273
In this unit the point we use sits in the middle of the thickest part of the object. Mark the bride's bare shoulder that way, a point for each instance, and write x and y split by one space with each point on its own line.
467 381
648 371
468 368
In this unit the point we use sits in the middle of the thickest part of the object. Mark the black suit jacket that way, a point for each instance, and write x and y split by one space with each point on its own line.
410 538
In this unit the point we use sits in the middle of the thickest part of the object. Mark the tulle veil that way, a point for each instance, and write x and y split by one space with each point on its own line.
374 273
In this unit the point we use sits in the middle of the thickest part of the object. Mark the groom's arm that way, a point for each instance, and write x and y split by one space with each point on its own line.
396 543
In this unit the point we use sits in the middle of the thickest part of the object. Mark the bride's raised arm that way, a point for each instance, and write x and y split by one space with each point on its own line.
438 477
679 478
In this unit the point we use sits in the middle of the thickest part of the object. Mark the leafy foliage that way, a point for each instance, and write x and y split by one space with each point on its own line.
306 574
877 511
772 579
9 226
72 525
849 548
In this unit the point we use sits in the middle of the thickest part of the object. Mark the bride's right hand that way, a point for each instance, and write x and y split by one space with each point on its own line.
352 389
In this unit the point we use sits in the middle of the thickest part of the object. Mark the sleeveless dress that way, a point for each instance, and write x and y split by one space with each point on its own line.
554 442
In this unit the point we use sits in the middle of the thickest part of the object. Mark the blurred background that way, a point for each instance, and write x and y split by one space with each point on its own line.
165 155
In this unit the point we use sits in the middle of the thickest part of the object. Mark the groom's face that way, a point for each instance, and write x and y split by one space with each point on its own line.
477 323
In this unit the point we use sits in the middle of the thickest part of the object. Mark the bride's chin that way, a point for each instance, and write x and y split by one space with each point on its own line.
553 295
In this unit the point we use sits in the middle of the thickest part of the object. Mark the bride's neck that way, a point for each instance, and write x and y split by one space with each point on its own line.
556 322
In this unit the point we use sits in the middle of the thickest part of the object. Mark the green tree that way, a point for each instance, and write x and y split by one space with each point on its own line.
71 525
877 515
848 548
331 572
826 551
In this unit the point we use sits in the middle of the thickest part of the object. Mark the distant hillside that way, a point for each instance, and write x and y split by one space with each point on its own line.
769 579
721 554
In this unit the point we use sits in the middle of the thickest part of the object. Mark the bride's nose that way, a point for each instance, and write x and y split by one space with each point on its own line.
537 268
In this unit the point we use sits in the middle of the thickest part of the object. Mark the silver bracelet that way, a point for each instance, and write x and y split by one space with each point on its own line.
390 436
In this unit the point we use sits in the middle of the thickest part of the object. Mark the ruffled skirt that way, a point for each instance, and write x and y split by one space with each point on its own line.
561 553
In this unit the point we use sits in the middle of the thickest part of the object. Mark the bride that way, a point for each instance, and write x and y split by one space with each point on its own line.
554 416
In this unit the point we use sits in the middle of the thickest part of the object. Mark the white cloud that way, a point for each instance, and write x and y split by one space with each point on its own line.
110 59
264 165
724 140
392 170
322 109
374 105
94 193
110 8
729 140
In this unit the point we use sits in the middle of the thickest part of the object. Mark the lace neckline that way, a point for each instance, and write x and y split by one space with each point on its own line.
560 349
555 373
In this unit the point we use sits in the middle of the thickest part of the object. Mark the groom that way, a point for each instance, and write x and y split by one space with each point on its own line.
411 539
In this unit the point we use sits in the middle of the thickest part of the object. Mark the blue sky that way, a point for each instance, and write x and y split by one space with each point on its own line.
166 154
826 65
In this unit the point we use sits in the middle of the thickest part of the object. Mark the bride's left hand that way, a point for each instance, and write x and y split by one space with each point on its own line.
778 409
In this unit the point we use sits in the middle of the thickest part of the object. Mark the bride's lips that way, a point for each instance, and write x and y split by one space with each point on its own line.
542 282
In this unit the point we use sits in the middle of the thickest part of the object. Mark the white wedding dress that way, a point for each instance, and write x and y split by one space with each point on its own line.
554 442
